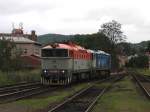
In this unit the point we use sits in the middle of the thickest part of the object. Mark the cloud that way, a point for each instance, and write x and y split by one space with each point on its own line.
11 7
134 24
77 16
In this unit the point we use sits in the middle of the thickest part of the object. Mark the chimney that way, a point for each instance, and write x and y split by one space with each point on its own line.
33 35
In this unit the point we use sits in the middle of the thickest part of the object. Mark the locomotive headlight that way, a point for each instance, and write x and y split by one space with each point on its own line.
45 71
63 71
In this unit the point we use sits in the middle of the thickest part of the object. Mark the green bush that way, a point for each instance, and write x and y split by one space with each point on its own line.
140 61
143 71
19 76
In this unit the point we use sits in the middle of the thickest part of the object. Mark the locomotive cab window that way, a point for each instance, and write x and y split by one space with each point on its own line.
54 53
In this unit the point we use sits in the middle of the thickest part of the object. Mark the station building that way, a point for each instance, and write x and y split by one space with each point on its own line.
26 44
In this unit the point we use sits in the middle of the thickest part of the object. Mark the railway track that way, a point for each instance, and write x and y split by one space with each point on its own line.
144 83
147 77
22 90
17 87
18 84
84 100
17 92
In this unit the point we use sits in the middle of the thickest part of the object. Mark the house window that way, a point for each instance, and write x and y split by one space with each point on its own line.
37 51
25 51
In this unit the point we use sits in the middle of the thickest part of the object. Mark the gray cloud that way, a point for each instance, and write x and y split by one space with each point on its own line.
20 6
76 16
125 17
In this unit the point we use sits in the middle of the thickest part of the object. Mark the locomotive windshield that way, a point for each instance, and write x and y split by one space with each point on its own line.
54 53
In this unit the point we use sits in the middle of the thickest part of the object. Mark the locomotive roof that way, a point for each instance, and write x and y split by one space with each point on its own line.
97 52
102 52
47 47
90 51
72 46
69 46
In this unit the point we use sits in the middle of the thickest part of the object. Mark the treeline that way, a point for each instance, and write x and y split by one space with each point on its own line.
137 57
132 49
140 61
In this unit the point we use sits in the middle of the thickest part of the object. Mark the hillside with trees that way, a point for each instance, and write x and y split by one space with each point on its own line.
50 38
134 48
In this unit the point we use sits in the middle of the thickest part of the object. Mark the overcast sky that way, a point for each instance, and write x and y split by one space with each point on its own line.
77 16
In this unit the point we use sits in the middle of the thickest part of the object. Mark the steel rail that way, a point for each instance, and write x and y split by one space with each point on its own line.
19 86
28 95
101 94
83 92
18 92
141 86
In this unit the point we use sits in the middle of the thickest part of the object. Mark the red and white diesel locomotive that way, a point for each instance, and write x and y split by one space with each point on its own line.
64 63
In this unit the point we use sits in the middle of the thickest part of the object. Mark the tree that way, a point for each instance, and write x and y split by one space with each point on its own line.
148 47
8 55
113 31
126 48
140 61
96 41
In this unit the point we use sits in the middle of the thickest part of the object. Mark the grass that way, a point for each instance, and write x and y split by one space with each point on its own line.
144 71
54 97
123 97
19 76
